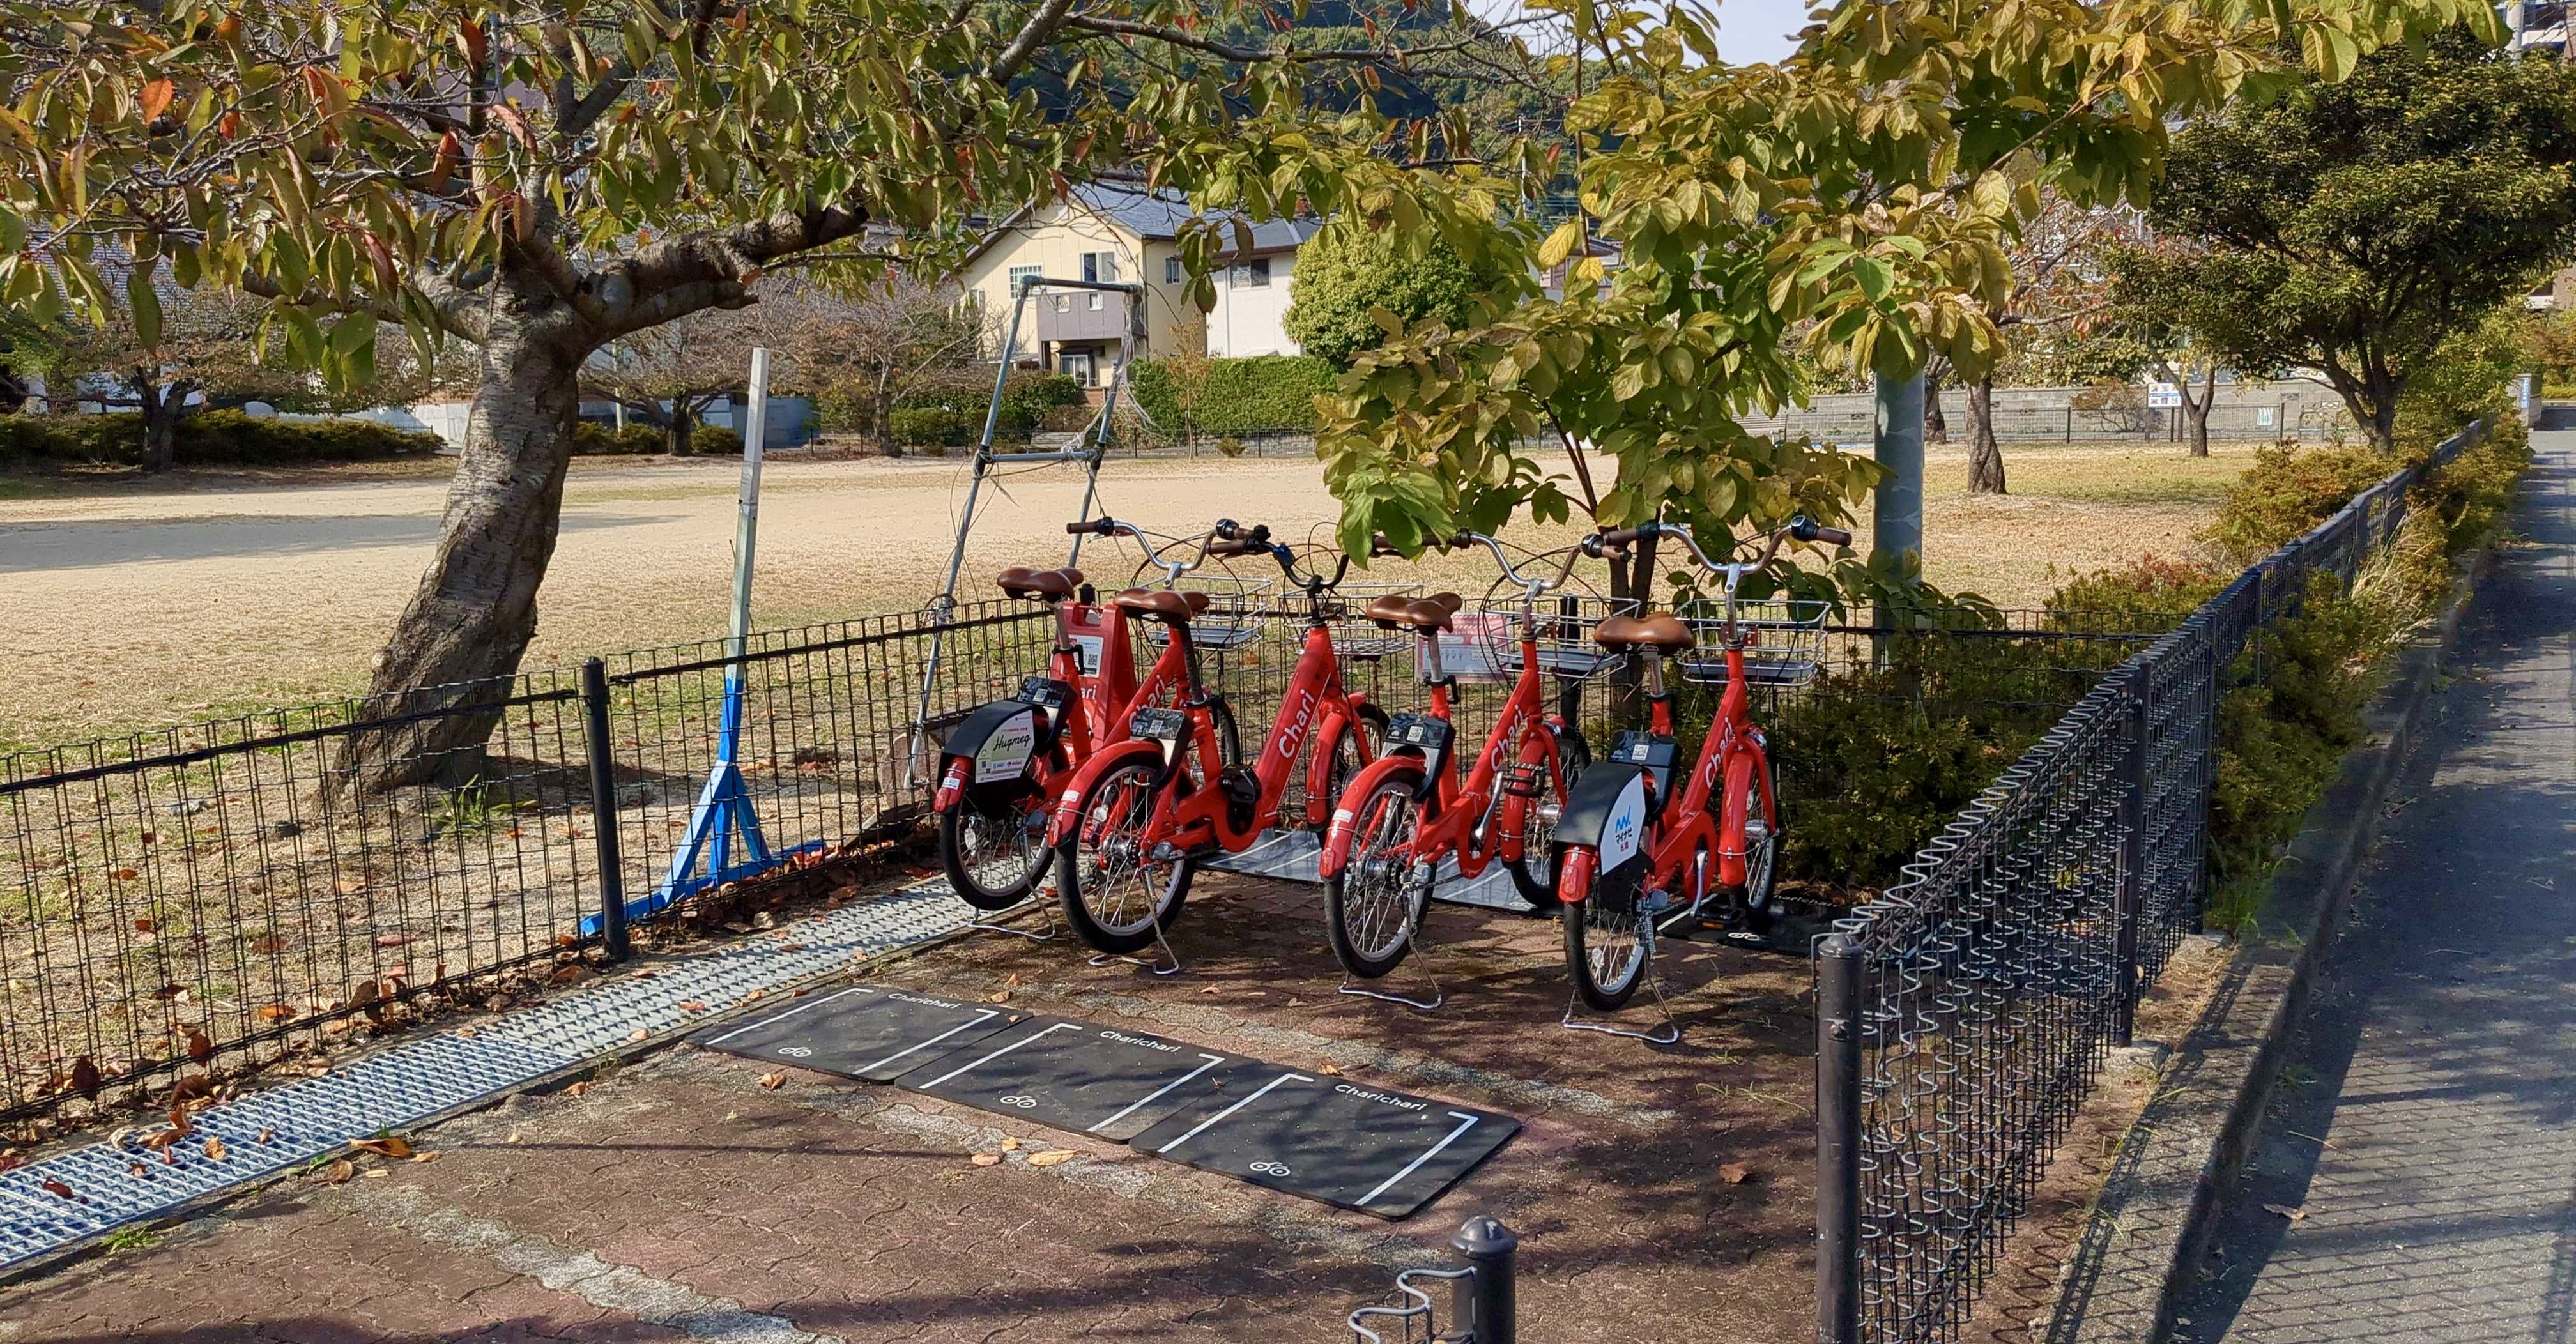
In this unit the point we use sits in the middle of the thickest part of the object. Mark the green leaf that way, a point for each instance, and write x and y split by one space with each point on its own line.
144 303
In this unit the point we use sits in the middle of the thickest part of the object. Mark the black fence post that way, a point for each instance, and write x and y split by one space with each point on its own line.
603 809
1838 1033
1484 1302
2133 855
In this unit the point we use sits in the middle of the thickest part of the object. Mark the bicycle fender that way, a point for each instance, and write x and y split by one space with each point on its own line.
1338 836
1608 812
1069 802
1730 835
997 741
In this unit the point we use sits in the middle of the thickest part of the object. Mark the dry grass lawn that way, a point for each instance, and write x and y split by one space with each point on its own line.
137 604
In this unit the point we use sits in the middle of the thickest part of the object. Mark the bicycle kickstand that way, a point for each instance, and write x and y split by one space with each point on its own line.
1439 996
994 924
1670 1033
1171 959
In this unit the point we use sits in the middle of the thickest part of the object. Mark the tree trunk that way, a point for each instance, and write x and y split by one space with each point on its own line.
1936 426
161 407
2195 411
882 413
1985 457
460 640
677 435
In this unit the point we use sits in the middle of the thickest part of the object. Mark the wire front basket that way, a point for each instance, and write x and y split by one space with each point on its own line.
1784 642
1355 635
1235 615
1485 644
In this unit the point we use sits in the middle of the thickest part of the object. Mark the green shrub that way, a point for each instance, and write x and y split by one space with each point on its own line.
966 392
207 438
590 438
1265 393
2152 594
715 441
2287 491
1231 446
929 427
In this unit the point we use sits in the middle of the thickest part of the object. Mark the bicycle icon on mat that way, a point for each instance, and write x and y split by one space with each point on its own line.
1266 1167
1023 1102
795 1051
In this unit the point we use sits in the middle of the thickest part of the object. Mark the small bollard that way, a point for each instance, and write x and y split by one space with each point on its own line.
1483 1305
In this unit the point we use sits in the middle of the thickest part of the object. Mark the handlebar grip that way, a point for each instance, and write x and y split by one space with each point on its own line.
1805 528
1627 535
1835 535
1100 527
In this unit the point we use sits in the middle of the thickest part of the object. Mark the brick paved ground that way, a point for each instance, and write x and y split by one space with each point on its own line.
2425 1133
679 1199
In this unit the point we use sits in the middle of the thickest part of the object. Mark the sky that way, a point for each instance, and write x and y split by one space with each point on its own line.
1748 30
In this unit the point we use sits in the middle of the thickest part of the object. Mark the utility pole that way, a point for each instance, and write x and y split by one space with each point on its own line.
1896 523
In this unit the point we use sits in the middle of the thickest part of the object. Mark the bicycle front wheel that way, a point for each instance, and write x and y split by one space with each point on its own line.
1534 875
1373 905
1115 894
1605 947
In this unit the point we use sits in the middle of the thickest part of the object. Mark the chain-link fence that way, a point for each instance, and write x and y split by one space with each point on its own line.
1963 1017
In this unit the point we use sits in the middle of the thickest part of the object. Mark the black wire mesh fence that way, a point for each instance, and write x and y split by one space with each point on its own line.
1963 1017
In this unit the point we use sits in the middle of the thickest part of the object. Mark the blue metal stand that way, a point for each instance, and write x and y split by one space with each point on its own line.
723 811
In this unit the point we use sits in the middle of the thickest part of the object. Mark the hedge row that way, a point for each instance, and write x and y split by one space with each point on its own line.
958 396
1258 395
208 438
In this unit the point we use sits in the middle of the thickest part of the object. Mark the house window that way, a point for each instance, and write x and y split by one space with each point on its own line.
1171 270
1100 267
1076 364
1253 274
1022 275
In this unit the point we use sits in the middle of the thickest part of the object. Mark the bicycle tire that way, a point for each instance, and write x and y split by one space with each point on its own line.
1534 876
1761 861
1392 810
1588 929
961 829
1123 797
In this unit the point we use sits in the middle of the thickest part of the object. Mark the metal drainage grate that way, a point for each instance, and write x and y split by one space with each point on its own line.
283 1126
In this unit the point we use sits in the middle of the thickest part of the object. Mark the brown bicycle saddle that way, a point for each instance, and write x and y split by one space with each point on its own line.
1045 585
1396 611
1654 631
1163 604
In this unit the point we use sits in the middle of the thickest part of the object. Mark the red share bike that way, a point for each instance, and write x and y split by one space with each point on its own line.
1632 854
1001 766
1136 819
1399 819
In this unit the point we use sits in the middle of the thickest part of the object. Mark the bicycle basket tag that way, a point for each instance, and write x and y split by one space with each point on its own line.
1005 753
1625 829
1086 651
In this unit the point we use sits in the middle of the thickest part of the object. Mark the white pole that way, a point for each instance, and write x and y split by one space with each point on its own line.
746 530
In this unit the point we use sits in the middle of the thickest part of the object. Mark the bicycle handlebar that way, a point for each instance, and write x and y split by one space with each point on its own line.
1531 587
1801 528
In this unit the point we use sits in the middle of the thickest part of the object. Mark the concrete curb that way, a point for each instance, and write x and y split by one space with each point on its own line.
2151 1224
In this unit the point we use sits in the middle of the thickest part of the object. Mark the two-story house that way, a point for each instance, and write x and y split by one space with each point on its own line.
1114 231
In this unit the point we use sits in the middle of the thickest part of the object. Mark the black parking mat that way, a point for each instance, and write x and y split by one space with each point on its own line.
864 1031
1076 1076
1365 1148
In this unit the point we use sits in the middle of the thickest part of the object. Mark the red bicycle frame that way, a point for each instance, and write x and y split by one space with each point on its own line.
1732 755
1454 813
1191 808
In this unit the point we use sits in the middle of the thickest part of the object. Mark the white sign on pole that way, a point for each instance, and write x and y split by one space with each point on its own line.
2163 396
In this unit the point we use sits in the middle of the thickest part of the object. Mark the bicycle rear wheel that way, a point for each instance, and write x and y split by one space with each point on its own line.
1761 862
1534 876
1373 905
1605 948
1114 894
995 854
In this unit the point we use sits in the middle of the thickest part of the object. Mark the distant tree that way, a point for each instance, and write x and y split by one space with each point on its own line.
1346 274
2058 264
2170 323
2352 228
159 350
870 340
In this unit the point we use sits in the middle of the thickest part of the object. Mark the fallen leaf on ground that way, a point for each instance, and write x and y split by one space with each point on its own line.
998 996
1052 1156
55 1187
692 1006
268 1136
1014 981
1209 989
2286 1211
424 1157
773 1081
638 1034
514 1134
376 1173
1010 1145
391 1145
986 1159
578 1088
1734 1173
338 1173
1330 1072
137 1169
275 1012
199 1048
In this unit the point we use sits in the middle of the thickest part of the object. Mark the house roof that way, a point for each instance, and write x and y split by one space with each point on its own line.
1157 216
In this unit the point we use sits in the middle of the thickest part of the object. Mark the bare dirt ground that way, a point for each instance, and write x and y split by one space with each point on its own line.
134 604
1662 1194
